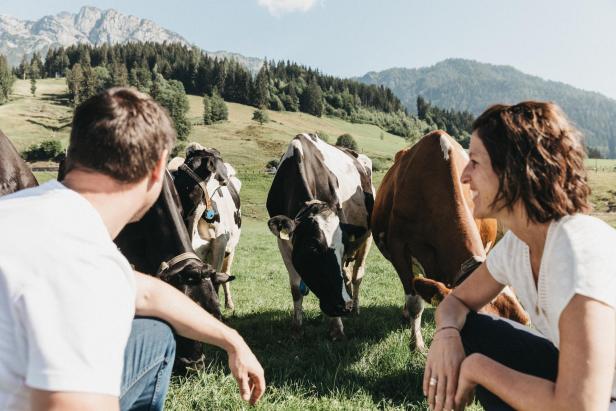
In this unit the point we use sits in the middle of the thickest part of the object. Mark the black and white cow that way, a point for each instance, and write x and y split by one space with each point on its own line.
320 204
209 190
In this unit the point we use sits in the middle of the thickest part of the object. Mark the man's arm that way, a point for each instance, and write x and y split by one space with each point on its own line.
71 401
158 299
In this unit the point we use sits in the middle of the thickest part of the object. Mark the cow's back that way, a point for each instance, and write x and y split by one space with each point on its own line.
314 170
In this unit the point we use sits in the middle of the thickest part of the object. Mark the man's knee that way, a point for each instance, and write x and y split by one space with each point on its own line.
155 333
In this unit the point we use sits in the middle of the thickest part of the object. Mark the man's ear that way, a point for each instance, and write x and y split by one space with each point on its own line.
158 172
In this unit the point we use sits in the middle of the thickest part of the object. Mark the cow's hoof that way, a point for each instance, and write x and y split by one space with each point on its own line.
337 336
355 310
405 314
185 366
416 346
297 332
229 306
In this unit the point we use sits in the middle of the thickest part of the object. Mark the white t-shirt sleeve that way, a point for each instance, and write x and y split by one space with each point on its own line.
75 337
498 259
594 262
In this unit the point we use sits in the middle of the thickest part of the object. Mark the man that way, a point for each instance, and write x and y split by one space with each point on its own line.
67 295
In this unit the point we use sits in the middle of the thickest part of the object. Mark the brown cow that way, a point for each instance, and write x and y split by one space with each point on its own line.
15 174
423 216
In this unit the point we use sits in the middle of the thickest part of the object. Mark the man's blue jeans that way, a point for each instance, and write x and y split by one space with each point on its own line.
148 361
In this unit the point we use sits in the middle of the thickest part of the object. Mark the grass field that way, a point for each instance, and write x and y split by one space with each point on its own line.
373 368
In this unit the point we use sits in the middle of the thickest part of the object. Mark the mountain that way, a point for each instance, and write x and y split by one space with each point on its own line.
469 85
90 26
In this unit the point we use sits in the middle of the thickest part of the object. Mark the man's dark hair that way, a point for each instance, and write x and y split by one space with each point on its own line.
539 158
121 133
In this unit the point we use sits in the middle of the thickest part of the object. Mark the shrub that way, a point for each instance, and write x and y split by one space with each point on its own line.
378 164
260 116
346 140
273 163
45 151
179 150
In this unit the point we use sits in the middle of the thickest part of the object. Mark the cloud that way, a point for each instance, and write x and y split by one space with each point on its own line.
279 7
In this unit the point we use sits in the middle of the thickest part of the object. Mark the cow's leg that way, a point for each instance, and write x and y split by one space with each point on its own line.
217 251
401 258
294 282
358 271
226 268
336 329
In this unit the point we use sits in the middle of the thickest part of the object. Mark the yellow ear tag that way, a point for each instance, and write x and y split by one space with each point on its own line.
284 235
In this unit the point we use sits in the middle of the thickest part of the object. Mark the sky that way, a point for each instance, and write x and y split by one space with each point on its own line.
571 41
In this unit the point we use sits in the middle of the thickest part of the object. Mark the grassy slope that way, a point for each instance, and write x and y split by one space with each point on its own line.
374 368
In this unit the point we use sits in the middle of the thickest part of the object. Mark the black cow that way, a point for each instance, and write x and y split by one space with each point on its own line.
320 204
159 244
15 174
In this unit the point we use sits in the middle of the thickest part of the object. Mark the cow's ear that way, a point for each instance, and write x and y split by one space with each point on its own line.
281 226
217 169
352 232
221 278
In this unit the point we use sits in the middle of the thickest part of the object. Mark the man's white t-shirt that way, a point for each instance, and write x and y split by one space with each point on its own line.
579 257
67 297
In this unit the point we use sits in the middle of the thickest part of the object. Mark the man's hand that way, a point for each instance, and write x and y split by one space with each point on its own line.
160 300
247 371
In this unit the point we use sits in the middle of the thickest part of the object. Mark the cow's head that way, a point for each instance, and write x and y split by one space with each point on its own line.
206 163
198 281
317 253
203 165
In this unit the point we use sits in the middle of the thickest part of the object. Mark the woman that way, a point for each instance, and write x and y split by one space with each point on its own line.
526 169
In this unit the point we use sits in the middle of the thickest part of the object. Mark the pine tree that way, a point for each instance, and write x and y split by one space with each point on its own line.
6 80
74 80
171 95
207 110
119 74
311 101
34 75
219 108
261 94
24 67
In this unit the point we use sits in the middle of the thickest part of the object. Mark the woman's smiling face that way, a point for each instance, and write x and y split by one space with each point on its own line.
481 178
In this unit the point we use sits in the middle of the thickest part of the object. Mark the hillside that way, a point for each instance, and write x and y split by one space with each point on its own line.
469 85
242 141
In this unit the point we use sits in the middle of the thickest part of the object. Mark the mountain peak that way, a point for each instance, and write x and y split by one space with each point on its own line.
90 25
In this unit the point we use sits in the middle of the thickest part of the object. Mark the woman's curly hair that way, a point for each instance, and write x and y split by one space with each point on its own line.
539 158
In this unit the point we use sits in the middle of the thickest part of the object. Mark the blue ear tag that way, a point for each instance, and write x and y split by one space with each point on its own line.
209 214
303 288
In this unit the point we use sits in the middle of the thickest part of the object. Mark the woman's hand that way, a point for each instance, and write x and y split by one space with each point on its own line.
442 367
466 384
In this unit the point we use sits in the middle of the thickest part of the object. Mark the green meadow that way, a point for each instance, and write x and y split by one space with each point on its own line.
373 368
